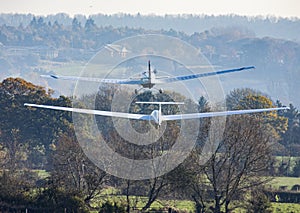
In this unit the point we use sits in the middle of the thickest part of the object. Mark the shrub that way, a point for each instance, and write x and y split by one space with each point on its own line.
258 203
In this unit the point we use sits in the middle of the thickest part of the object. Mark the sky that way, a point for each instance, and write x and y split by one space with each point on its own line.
279 8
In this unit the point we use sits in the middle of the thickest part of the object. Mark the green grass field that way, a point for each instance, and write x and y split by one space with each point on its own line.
111 194
189 206
285 207
278 208
284 181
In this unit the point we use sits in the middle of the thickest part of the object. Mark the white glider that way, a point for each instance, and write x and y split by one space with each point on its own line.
156 115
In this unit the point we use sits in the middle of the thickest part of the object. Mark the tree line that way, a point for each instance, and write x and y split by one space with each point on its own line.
262 26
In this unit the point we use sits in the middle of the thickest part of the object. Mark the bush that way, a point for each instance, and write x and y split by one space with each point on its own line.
60 201
258 203
109 207
296 169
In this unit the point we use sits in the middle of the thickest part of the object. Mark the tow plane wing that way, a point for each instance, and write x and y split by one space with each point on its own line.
100 80
150 79
201 75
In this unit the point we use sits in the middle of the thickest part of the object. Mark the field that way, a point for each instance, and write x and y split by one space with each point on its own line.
110 195
285 207
284 181
113 195
278 208
188 206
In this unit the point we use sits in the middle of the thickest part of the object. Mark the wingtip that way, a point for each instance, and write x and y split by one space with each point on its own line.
54 76
29 105
250 67
49 76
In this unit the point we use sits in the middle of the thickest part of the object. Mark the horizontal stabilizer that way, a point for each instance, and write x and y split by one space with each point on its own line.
157 102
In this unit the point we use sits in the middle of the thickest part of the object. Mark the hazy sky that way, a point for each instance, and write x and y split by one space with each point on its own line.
283 8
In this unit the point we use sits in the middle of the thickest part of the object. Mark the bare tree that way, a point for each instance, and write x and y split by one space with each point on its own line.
238 163
74 171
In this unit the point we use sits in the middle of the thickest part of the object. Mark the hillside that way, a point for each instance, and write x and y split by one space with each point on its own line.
30 46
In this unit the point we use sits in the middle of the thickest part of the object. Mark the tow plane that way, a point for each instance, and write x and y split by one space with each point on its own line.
149 78
156 115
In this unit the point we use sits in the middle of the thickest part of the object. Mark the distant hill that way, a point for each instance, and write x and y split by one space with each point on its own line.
261 26
30 45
